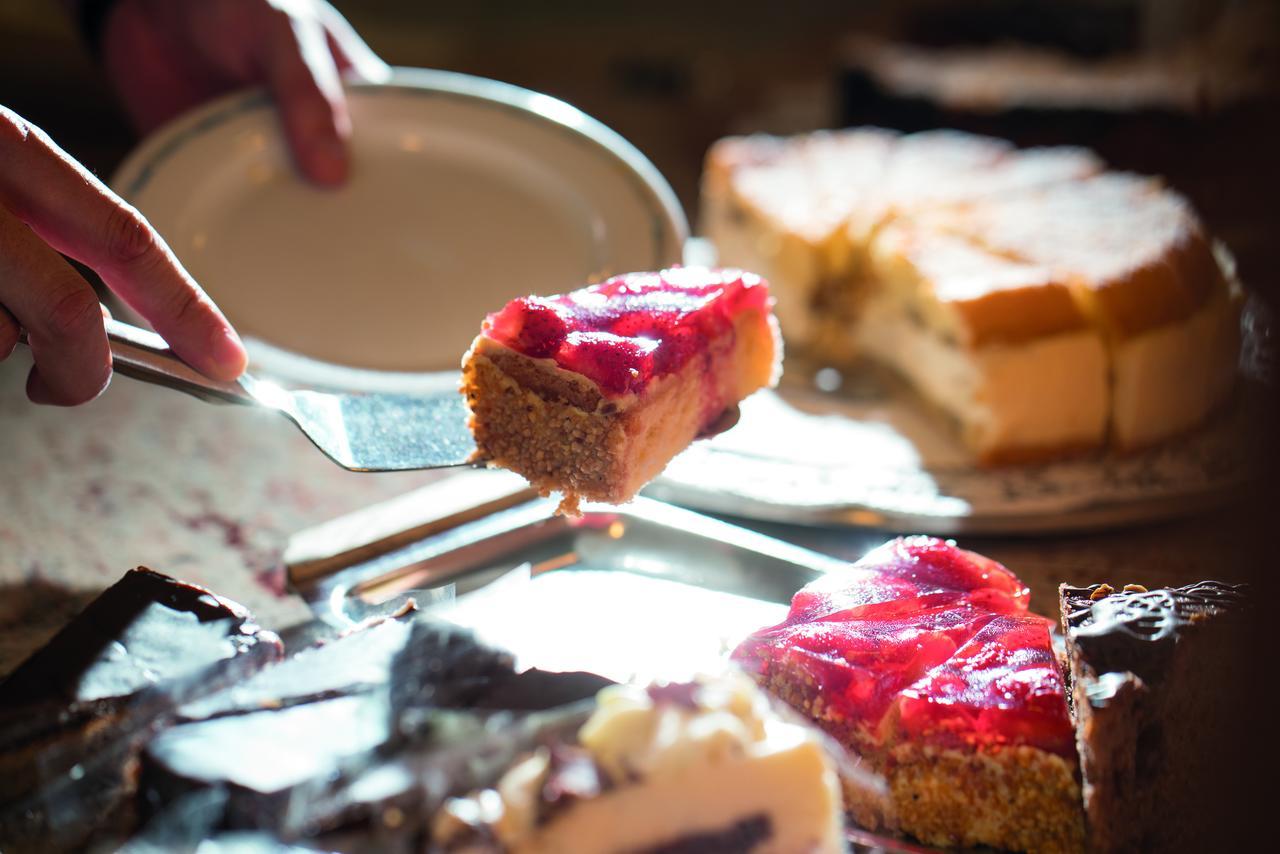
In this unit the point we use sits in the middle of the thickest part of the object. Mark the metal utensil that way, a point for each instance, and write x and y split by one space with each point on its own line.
360 431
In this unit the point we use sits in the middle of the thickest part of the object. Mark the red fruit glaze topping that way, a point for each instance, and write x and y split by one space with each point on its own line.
938 633
623 333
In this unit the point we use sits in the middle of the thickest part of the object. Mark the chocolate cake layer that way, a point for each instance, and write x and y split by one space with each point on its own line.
444 666
73 716
355 662
259 740
1160 693
324 739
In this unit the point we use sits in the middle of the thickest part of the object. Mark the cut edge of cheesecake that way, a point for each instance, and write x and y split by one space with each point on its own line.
563 433
998 345
710 765
1165 305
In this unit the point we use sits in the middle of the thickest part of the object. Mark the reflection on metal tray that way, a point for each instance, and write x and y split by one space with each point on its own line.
639 592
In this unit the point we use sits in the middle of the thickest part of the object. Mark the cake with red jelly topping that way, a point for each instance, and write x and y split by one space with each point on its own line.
591 393
922 659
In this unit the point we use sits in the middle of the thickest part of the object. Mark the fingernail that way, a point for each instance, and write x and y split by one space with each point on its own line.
37 391
228 353
328 160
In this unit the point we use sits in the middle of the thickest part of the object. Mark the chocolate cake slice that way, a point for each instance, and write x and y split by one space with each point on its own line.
73 716
343 710
444 666
1158 687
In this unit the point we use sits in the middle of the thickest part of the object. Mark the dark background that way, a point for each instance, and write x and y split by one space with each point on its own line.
674 76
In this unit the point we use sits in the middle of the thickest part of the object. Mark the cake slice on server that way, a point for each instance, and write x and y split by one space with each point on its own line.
591 393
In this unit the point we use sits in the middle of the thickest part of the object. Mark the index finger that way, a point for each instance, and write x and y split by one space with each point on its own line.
79 216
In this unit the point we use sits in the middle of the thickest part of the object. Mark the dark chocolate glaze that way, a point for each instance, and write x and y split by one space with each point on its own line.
1136 631
446 667
742 836
260 758
352 663
145 629
287 744
75 714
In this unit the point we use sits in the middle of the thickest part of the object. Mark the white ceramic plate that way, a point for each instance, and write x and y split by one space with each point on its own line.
464 193
878 459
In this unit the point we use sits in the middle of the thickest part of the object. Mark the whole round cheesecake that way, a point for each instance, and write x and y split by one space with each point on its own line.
1043 304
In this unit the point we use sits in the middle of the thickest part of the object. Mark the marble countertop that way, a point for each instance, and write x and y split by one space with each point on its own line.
147 476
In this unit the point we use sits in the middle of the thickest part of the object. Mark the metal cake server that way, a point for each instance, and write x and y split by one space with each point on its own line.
360 431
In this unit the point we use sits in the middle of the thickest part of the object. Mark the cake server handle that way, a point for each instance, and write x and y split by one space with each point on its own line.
143 355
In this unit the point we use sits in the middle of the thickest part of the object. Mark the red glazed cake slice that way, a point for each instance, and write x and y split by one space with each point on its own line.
591 393
923 659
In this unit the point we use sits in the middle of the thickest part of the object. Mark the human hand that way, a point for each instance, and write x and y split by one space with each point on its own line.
165 56
49 203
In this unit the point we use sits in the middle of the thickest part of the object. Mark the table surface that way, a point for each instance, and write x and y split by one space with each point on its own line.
211 494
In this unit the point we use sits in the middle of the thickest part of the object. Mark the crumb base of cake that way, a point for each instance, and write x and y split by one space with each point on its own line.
1014 797
563 435
554 444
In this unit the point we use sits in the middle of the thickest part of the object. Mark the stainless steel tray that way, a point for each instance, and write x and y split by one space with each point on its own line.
643 591
640 592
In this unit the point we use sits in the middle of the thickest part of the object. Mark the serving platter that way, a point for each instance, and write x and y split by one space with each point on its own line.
856 447
874 456
643 592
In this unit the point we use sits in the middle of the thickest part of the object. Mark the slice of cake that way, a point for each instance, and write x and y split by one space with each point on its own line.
907 248
782 207
997 344
708 766
592 393
74 716
922 659
1161 685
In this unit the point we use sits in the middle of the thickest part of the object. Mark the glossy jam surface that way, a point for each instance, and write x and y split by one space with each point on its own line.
939 635
629 330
